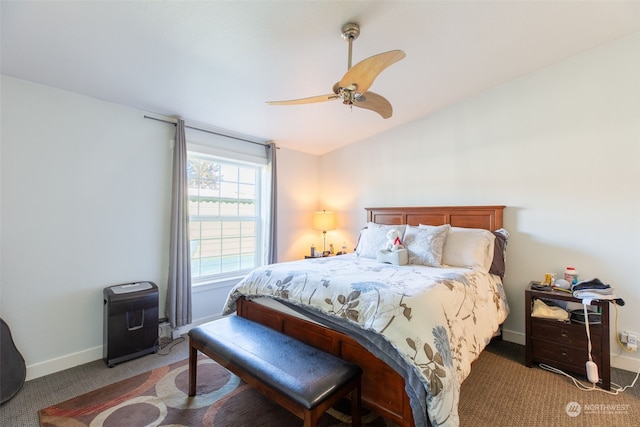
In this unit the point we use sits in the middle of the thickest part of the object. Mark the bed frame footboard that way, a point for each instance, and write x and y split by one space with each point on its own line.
382 387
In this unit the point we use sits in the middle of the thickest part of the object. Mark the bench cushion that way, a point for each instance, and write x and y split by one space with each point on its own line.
301 372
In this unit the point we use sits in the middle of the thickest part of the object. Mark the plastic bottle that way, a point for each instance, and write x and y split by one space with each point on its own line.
571 275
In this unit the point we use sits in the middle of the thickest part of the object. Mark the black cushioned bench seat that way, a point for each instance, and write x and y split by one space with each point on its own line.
301 378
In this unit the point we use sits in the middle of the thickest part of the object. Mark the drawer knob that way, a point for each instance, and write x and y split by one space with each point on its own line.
564 352
564 333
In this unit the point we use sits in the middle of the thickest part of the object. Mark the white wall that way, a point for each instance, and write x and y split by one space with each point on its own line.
85 194
85 188
559 147
298 187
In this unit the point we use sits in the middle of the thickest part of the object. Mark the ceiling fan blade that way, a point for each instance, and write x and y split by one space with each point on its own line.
374 102
312 99
365 72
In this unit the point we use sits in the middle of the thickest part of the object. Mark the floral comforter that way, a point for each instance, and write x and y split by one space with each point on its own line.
436 320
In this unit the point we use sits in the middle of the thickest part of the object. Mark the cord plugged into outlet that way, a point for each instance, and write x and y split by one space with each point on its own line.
630 339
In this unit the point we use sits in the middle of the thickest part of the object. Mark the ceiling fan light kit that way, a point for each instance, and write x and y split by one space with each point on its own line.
352 89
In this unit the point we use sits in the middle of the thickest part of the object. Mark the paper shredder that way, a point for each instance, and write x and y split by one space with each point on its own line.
130 321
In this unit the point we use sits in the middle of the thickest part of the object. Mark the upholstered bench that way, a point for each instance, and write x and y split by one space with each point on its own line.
300 378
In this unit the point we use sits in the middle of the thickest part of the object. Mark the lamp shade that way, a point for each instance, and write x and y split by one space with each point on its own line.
324 221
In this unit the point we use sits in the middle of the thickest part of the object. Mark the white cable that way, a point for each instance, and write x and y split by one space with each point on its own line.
615 388
586 324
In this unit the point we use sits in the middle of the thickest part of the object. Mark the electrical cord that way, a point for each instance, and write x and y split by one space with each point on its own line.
586 325
615 388
162 344
622 346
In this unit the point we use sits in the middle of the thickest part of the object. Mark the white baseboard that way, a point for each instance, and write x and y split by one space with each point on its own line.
513 336
67 361
63 362
625 362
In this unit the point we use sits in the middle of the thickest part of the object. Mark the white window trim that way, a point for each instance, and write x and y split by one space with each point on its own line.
225 154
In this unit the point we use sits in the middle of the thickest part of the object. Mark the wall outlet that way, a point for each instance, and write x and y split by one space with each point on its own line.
624 336
165 330
630 339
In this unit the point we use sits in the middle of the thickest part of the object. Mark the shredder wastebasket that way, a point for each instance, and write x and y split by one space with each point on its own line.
130 321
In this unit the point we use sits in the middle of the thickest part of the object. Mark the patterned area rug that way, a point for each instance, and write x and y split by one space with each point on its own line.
159 397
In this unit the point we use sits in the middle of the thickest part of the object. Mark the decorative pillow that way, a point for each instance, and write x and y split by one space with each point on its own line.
499 252
425 244
373 237
469 248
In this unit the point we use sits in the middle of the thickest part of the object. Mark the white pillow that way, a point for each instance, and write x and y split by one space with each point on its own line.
425 244
373 237
469 248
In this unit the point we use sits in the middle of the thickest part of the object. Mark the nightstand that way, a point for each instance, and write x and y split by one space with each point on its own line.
564 345
318 257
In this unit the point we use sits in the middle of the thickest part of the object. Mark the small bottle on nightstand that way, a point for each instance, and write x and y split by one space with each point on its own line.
571 275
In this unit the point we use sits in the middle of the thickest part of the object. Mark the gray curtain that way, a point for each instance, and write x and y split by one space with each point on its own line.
178 308
272 241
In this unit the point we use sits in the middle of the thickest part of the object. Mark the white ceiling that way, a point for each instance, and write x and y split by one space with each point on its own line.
215 63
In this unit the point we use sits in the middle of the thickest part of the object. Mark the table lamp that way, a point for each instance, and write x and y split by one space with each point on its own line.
324 221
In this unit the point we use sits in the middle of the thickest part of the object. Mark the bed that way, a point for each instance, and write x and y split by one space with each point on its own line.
414 329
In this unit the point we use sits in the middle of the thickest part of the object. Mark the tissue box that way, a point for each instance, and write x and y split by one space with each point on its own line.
399 257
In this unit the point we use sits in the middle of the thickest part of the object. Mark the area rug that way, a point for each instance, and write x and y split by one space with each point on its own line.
159 398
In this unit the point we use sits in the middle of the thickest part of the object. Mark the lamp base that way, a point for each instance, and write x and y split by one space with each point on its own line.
324 242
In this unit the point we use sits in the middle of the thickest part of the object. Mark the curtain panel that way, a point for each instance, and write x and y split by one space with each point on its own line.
272 241
178 303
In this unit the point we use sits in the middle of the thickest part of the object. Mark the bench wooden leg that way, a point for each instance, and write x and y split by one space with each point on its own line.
310 418
355 405
193 369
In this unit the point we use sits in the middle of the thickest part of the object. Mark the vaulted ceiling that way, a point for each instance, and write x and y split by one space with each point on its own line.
215 63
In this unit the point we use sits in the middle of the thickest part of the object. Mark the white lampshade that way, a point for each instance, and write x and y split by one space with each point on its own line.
324 221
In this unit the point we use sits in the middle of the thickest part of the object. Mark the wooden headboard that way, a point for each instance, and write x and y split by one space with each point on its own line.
487 217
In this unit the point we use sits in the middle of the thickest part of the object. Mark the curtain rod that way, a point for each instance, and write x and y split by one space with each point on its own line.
208 131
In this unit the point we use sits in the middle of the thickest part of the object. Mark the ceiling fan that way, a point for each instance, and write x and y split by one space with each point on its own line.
352 89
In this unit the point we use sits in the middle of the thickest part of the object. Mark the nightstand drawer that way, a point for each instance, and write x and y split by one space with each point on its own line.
575 357
563 332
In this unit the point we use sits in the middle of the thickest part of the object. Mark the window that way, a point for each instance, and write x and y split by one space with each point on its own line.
225 211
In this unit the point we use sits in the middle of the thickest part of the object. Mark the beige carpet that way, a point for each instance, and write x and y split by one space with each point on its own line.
502 391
